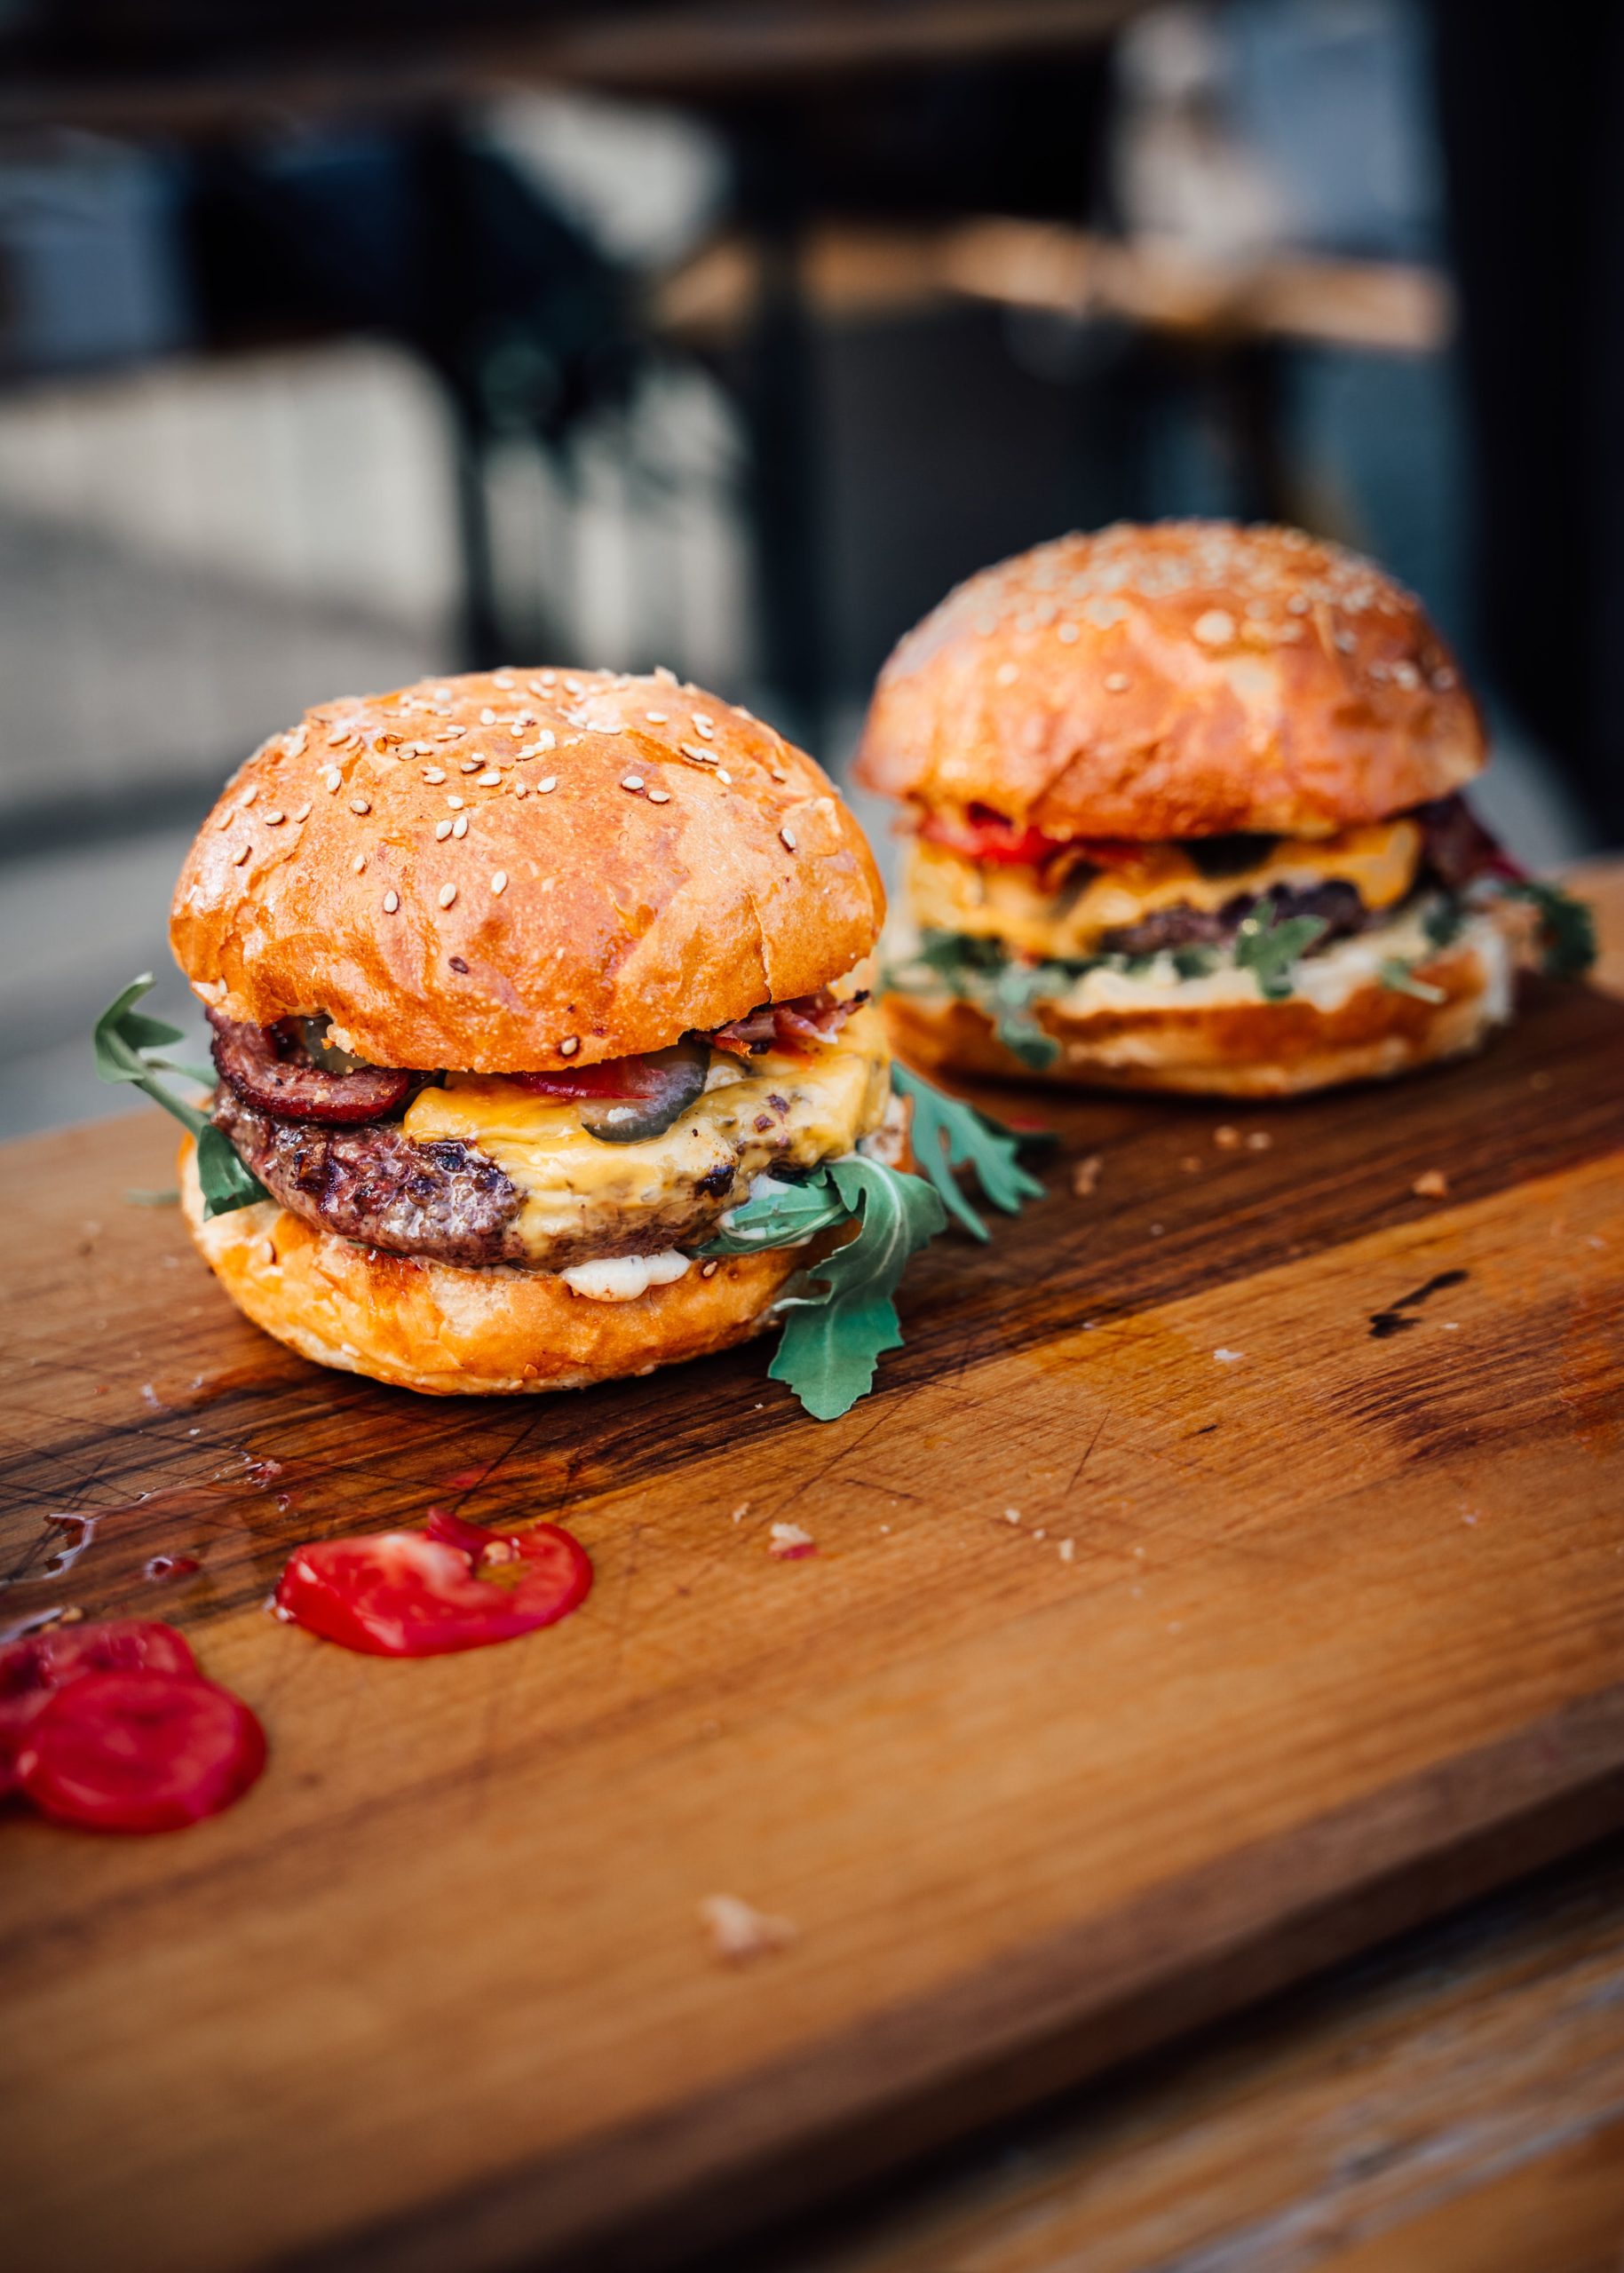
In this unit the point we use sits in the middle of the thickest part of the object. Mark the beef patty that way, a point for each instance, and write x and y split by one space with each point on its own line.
1337 905
445 1200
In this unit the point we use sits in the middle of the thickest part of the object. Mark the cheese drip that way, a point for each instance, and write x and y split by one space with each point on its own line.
949 892
782 1109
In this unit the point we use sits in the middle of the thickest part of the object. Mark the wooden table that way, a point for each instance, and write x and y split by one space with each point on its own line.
1336 1644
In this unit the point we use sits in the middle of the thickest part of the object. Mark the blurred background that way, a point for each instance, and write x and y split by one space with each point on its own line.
344 344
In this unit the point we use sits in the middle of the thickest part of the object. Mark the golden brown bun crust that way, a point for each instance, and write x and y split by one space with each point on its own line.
1181 679
448 1332
627 916
1249 1049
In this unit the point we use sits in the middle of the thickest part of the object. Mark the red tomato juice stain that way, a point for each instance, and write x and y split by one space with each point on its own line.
421 1594
112 1727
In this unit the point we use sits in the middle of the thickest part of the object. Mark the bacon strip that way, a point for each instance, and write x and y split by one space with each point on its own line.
808 1019
1457 847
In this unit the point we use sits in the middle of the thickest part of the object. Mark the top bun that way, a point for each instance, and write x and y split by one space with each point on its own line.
1186 678
519 870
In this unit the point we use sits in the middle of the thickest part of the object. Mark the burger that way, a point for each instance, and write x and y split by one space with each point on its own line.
542 1048
1186 813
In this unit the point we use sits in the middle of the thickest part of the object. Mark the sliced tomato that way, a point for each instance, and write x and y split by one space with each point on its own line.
139 1751
986 836
34 1668
420 1594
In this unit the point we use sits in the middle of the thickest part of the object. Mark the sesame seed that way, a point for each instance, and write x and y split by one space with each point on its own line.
520 785
700 757
237 858
459 826
487 718
294 743
249 794
226 819
455 802
1067 633
632 781
517 729
546 739
359 805
499 881
302 812
659 797
435 773
392 901
451 734
778 773
443 829
502 679
656 717
724 775
570 1044
786 837
574 686
704 726
274 821
542 788
490 779
470 764
1216 628
1116 683
445 895
358 863
1007 674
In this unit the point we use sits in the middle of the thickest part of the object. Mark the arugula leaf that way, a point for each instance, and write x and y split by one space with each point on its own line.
1443 920
1193 962
1268 946
949 1134
1002 988
841 1317
1396 975
1567 927
781 1218
132 1047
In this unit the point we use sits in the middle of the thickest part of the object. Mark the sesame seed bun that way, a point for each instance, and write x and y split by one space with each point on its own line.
515 871
1239 1048
432 1327
1187 679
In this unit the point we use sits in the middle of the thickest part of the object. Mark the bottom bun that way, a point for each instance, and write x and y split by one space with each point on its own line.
492 1333
1236 1049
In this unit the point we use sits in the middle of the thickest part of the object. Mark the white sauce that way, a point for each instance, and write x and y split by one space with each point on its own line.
622 1278
1326 980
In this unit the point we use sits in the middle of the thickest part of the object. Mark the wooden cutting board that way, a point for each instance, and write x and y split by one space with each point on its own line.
1312 1620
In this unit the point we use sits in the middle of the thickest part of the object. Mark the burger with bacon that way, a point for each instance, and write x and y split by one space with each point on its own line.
1186 813
542 1050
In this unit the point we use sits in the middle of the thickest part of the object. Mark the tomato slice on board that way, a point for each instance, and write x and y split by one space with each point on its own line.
34 1668
139 1752
421 1594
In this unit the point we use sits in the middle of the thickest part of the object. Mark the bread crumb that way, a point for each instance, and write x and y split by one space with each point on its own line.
1226 1139
1066 1550
1011 1515
789 1543
1259 1141
1085 1175
740 1932
1431 1185
1229 1356
741 1510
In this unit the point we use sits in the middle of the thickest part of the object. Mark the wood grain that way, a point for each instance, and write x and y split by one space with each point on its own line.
1338 1643
1456 2102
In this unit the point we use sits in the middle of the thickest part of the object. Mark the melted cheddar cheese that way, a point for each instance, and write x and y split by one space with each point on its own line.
782 1109
951 893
